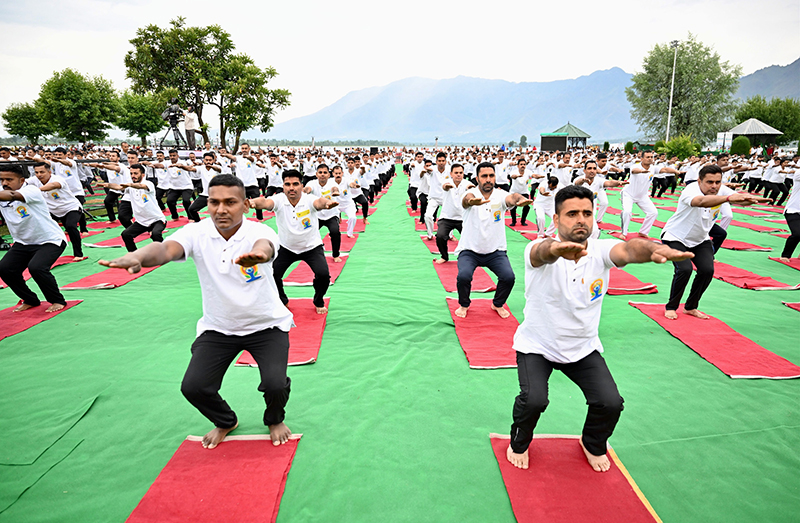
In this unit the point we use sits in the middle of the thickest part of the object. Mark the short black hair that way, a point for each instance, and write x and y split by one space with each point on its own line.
586 164
41 164
456 165
60 150
441 155
483 165
226 180
173 151
710 168
139 167
209 153
572 191
292 173
15 169
320 166
602 156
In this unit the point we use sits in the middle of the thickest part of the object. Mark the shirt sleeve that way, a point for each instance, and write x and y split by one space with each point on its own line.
605 251
31 193
185 236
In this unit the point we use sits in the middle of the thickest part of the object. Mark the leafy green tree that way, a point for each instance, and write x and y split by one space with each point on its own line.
512 143
140 114
682 146
72 104
628 147
740 145
245 101
606 146
25 120
523 141
781 113
703 100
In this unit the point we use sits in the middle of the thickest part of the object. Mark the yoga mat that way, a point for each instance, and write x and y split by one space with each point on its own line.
657 223
794 263
241 480
412 212
419 227
753 227
530 227
107 279
61 260
667 208
561 487
15 322
736 245
346 246
117 241
746 279
612 210
180 222
621 283
302 276
85 235
775 220
431 245
795 306
631 235
780 235
723 347
603 226
748 212
486 339
104 225
448 271
304 339
770 209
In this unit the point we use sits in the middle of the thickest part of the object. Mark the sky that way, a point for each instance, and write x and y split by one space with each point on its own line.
323 50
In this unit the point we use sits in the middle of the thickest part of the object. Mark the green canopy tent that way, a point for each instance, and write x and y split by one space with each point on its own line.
575 136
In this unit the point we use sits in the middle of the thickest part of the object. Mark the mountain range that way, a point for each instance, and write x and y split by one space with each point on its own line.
477 110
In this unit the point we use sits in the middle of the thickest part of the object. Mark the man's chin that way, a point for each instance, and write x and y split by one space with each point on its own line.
577 236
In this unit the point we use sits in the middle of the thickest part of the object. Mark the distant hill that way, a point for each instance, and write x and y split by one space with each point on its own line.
773 81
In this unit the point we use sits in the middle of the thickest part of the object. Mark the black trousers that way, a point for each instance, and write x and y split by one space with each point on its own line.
779 192
505 186
754 185
110 201
200 203
125 213
362 200
38 259
412 197
273 190
212 354
718 235
793 219
315 259
443 230
525 211
172 201
70 221
497 262
262 186
82 222
423 206
252 191
333 231
667 182
135 229
704 261
658 184
591 374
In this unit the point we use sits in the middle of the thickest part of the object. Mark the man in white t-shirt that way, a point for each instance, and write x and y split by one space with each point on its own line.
207 170
146 212
63 205
324 187
180 184
565 281
298 229
437 177
637 192
245 171
38 240
452 210
241 308
483 239
116 173
68 169
688 229
191 125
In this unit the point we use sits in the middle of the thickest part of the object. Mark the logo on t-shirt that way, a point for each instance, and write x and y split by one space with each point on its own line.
68 172
251 273
306 223
22 211
596 289
55 195
144 198
497 215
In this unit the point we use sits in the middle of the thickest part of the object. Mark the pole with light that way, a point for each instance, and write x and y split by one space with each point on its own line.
673 44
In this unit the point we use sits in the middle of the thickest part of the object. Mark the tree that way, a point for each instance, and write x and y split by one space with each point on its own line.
628 147
741 145
140 114
781 113
245 101
512 143
523 141
25 120
703 96
682 146
606 146
76 107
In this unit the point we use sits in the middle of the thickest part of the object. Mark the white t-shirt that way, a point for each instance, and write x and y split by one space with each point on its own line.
691 225
71 174
451 202
29 222
298 226
639 185
205 177
245 171
484 226
793 204
119 177
501 173
143 203
274 174
436 180
60 201
179 179
415 170
563 301
324 192
237 300
519 185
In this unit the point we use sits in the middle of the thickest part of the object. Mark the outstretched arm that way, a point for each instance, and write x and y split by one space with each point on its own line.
266 204
152 255
642 251
517 200
324 203
262 252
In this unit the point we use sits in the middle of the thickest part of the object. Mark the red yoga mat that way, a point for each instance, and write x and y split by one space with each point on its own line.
241 480
447 272
117 241
795 306
412 212
61 260
107 279
774 210
748 280
419 227
621 283
748 212
346 246
780 235
735 245
302 276
530 227
104 225
667 208
794 263
612 210
721 346
486 339
603 226
86 235
775 220
180 222
15 322
560 486
631 235
753 227
431 245
305 339
657 223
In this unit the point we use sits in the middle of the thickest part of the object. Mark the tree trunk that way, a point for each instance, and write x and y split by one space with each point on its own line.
198 108
144 140
236 143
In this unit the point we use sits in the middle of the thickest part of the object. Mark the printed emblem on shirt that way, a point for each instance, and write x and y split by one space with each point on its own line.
596 289
306 223
22 211
68 172
251 273
497 215
55 195
144 198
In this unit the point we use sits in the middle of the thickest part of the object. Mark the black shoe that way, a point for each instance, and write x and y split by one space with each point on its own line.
5 246
523 224
513 224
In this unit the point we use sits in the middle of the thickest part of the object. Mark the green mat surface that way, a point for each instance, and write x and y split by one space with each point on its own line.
396 425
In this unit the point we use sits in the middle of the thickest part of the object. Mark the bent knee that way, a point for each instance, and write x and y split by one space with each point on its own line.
609 404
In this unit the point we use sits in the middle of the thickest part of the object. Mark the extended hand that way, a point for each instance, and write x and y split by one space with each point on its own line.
330 204
524 202
664 253
568 250
251 258
126 262
477 201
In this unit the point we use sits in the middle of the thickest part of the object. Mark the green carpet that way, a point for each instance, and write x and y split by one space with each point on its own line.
395 423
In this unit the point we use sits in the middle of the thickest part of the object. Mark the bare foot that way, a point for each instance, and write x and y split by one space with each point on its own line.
279 434
461 312
366 222
337 260
518 460
441 260
598 463
697 314
321 310
671 315
349 235
430 238
79 258
501 312
783 260
640 235
215 437
55 307
23 307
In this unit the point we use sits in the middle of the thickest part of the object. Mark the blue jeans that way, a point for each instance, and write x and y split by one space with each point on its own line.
497 262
